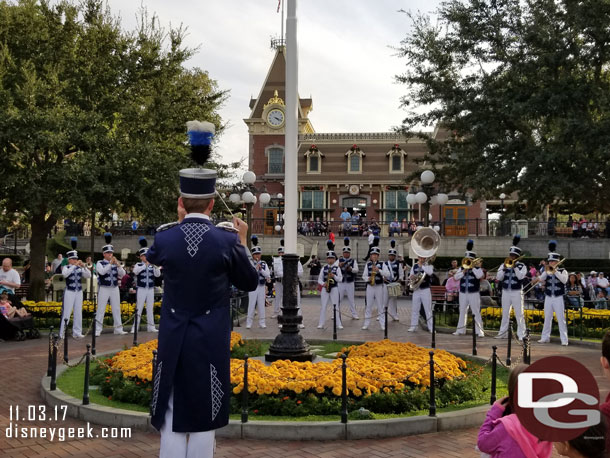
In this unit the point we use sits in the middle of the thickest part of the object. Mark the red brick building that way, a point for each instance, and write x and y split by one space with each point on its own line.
363 172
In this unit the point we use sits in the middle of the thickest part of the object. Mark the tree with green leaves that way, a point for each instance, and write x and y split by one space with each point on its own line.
92 117
522 91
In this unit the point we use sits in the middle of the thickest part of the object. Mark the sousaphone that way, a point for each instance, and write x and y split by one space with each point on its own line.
425 243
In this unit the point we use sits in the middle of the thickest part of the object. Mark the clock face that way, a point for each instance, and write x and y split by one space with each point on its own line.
275 117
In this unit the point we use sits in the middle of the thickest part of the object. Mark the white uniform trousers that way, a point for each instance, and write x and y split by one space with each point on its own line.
279 296
472 300
184 445
329 298
73 301
146 295
554 304
105 294
347 289
391 303
512 298
256 299
421 297
374 295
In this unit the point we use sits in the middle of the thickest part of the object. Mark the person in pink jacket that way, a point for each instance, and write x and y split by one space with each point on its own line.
503 435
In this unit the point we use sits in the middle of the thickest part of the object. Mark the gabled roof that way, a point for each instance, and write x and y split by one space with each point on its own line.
276 81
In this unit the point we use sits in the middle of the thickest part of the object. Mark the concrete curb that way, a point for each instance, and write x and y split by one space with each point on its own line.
273 430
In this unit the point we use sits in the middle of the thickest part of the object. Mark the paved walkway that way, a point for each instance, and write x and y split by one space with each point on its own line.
23 364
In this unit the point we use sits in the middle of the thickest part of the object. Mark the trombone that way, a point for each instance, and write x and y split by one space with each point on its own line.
508 264
548 270
469 263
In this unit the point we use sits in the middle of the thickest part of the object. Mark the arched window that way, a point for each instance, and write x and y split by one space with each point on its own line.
396 162
314 159
354 159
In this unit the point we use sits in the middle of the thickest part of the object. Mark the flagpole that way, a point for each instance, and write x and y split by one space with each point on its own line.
282 35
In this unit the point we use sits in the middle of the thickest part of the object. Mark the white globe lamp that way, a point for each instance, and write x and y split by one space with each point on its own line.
265 198
247 197
234 198
427 177
411 199
421 197
249 177
442 198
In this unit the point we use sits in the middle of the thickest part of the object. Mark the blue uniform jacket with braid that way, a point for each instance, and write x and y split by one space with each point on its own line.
200 262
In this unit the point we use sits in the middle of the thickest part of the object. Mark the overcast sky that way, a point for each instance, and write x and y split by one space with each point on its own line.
346 61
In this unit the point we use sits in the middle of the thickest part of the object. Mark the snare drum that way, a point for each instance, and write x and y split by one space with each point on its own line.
394 289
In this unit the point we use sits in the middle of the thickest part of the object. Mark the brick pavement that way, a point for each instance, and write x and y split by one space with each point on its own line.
23 364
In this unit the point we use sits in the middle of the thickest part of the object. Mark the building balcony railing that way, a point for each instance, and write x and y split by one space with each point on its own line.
474 227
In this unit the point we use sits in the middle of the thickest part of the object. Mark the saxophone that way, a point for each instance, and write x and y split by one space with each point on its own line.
327 285
373 273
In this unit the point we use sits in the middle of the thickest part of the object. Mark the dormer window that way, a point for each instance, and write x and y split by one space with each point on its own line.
314 159
354 159
396 159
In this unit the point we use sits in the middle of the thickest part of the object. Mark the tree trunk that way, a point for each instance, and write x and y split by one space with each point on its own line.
38 249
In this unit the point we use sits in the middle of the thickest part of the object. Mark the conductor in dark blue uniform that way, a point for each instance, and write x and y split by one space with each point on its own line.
200 262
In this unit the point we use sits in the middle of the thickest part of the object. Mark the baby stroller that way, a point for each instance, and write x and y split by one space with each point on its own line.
18 328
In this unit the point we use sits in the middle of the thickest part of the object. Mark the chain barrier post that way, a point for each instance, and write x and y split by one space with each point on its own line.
232 309
237 306
334 321
244 395
344 389
581 318
154 374
510 338
136 326
50 362
93 334
494 368
87 367
65 340
474 336
433 327
385 327
526 347
432 410
54 364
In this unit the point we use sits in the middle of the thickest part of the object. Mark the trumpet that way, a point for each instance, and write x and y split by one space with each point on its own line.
551 270
469 263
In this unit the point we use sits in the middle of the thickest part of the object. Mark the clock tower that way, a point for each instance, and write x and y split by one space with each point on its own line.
266 130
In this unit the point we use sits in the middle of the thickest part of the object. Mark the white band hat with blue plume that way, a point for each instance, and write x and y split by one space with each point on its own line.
255 248
143 246
392 251
199 183
280 249
73 254
108 248
515 249
469 253
553 255
346 247
331 249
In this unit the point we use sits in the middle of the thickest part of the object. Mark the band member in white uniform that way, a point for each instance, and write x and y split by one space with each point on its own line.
349 269
555 279
145 274
469 292
329 279
511 279
256 298
73 294
278 272
109 272
373 277
421 295
392 273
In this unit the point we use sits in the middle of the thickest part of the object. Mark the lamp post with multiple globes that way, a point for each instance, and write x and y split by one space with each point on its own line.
426 197
248 198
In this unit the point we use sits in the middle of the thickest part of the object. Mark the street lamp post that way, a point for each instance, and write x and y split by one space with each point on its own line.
502 197
248 197
426 196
